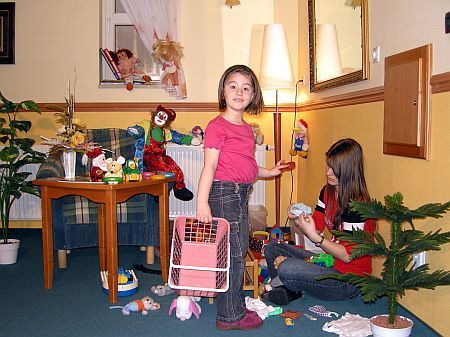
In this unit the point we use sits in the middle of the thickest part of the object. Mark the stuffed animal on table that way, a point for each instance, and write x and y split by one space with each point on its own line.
127 65
138 133
185 306
113 170
168 54
97 155
144 305
301 142
157 134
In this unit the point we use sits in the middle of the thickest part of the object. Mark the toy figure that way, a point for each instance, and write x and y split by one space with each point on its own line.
259 137
127 64
158 133
113 170
185 307
143 305
138 133
197 135
168 54
301 143
98 160
131 171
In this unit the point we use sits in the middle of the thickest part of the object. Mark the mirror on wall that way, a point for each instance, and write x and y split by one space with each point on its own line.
338 43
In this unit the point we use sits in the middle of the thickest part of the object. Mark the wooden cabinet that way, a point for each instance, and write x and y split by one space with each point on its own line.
407 103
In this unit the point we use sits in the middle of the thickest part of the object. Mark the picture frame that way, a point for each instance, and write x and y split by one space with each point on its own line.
7 33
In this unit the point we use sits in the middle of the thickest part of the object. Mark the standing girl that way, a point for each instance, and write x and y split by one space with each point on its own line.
289 271
225 182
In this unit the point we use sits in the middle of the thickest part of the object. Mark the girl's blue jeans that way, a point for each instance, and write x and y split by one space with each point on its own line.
298 275
229 200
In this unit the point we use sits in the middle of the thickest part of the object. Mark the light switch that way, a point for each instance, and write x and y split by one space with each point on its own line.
376 54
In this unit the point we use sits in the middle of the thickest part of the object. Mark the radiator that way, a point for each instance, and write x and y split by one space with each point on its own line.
190 160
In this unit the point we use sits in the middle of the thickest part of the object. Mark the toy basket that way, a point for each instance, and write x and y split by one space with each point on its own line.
200 257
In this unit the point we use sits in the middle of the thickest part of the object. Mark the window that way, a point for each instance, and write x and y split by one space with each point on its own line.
118 32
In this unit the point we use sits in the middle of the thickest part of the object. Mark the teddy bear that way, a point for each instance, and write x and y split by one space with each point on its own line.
301 142
127 65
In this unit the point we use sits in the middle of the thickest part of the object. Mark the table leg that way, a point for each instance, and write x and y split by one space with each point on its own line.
101 236
47 238
111 244
164 232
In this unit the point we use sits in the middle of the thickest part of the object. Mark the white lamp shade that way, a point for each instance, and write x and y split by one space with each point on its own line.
327 52
275 70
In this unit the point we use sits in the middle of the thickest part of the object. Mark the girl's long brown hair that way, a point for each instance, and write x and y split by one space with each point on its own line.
345 158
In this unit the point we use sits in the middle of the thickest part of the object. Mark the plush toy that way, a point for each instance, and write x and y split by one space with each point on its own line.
301 143
197 135
185 307
158 133
127 64
97 155
257 134
169 53
138 133
113 168
144 305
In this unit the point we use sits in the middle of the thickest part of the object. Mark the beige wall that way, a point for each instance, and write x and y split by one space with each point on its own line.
47 50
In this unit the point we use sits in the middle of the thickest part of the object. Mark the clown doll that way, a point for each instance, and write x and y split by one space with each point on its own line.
157 134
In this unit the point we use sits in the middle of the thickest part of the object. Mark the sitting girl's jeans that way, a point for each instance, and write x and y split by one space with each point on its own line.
298 275
229 200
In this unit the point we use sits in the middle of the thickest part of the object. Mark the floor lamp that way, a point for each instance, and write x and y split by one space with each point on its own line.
275 73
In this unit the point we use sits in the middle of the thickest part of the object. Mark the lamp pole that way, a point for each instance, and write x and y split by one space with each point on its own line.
277 142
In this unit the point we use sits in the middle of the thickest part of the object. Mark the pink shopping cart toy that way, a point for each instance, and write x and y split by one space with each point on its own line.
200 257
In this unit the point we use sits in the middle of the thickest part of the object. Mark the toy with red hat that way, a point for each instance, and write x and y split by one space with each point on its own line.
301 142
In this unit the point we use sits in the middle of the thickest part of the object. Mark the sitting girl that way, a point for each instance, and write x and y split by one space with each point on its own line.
291 274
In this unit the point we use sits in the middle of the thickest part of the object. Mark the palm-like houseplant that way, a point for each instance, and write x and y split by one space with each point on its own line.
399 272
15 154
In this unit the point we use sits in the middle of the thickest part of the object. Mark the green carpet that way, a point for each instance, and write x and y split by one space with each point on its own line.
76 305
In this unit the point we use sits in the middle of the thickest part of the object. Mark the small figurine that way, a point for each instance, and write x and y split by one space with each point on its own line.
301 142
144 305
131 171
322 259
197 135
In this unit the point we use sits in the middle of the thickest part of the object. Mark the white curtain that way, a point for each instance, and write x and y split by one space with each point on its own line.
160 17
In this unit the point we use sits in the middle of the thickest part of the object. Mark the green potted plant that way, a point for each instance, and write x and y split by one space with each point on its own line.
14 155
399 271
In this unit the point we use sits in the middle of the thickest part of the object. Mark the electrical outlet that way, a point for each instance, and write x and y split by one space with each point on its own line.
376 54
418 260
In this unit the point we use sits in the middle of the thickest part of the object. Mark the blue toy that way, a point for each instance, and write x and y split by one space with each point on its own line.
127 282
138 133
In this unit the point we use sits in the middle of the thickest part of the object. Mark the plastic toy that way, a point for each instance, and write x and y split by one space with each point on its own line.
185 306
197 135
322 259
147 175
127 282
301 142
144 305
112 180
131 171
288 322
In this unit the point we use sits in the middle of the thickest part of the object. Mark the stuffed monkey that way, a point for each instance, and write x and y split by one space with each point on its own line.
155 158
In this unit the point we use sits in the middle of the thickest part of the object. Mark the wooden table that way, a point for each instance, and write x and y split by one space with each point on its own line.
107 197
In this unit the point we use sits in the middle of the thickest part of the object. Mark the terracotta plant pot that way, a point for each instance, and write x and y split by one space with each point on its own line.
8 251
381 327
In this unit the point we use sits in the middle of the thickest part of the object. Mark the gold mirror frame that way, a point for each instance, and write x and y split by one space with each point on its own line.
359 75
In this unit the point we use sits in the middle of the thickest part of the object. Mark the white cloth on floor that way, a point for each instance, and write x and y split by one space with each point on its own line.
258 306
349 325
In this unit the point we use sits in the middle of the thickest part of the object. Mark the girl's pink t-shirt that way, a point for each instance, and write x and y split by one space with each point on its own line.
237 150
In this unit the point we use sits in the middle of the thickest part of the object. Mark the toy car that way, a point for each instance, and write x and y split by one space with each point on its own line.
322 259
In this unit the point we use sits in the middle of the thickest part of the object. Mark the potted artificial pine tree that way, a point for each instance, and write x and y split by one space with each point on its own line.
399 272
16 152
